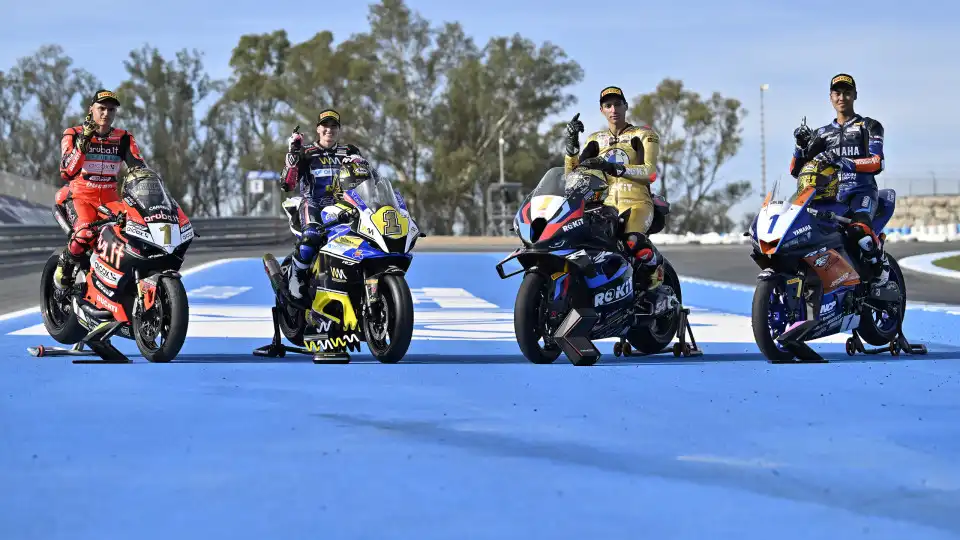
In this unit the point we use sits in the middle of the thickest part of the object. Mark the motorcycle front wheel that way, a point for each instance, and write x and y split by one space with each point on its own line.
394 321
527 320
767 297
166 320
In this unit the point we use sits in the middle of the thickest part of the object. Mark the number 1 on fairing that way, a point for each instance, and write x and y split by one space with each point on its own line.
391 224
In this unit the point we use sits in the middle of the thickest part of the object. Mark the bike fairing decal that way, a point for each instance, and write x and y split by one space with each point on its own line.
599 280
354 199
562 287
556 225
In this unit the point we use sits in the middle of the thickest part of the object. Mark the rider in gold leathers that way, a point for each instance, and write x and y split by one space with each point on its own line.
627 153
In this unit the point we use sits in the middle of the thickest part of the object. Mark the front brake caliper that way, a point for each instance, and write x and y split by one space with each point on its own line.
371 285
147 289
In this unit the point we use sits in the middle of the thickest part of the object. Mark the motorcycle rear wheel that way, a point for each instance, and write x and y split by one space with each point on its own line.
869 329
656 337
58 316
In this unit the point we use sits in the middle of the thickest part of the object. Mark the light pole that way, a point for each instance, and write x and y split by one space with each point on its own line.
501 156
763 145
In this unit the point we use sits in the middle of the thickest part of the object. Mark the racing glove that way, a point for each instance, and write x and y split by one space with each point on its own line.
802 136
829 156
89 128
608 167
294 143
572 142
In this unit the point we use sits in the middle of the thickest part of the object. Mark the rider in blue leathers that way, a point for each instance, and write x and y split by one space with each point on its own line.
314 169
854 143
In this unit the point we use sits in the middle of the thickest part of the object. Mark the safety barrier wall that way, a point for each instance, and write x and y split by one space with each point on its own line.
29 244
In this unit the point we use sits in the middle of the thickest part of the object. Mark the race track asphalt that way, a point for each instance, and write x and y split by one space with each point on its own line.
20 286
733 264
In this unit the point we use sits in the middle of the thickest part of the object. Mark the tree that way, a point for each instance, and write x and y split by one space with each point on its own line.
159 102
35 98
697 137
507 90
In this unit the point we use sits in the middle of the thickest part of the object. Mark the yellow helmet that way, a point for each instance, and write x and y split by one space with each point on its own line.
823 177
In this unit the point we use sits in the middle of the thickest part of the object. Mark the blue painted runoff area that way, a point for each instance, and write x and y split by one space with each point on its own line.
466 439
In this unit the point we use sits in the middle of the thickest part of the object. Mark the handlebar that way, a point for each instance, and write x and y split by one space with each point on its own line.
344 217
829 216
119 218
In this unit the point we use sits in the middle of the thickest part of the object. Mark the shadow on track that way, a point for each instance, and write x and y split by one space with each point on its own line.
606 360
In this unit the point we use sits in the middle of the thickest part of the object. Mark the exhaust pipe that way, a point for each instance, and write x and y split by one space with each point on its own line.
272 268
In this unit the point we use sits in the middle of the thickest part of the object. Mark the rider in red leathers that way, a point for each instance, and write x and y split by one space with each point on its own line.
92 154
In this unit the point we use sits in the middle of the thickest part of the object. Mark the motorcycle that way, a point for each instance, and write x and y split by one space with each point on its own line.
357 290
810 287
130 285
578 284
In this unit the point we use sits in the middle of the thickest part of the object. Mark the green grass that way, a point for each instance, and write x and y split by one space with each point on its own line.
950 263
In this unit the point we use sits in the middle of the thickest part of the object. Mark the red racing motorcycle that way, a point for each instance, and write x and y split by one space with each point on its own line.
130 286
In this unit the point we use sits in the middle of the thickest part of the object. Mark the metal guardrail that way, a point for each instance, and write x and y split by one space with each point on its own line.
30 244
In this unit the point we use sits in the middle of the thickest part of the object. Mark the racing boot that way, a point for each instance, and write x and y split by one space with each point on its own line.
297 279
877 259
66 266
646 263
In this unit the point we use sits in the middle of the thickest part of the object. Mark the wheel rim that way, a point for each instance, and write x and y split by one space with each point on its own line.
887 319
663 328
381 325
59 308
155 323
776 315
541 329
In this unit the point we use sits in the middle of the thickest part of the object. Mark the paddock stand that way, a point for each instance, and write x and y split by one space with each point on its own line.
680 348
899 343
277 349
99 342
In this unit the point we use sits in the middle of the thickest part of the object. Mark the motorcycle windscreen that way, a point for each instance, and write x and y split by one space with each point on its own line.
386 213
153 198
552 183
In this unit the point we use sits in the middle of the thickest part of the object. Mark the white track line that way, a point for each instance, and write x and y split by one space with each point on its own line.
924 264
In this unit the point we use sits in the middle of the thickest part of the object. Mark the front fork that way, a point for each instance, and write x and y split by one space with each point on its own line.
799 289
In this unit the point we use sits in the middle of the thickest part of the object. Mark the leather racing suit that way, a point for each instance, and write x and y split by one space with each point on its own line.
633 154
91 168
856 147
313 170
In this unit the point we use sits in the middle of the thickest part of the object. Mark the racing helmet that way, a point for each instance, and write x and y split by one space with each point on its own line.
135 175
823 177
591 184
354 170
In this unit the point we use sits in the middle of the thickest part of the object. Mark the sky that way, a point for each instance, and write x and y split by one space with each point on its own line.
904 56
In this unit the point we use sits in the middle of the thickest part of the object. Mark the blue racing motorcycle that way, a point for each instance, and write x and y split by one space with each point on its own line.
357 288
578 284
810 286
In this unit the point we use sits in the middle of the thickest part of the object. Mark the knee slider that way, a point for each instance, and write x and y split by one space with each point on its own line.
637 241
860 229
81 240
310 240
